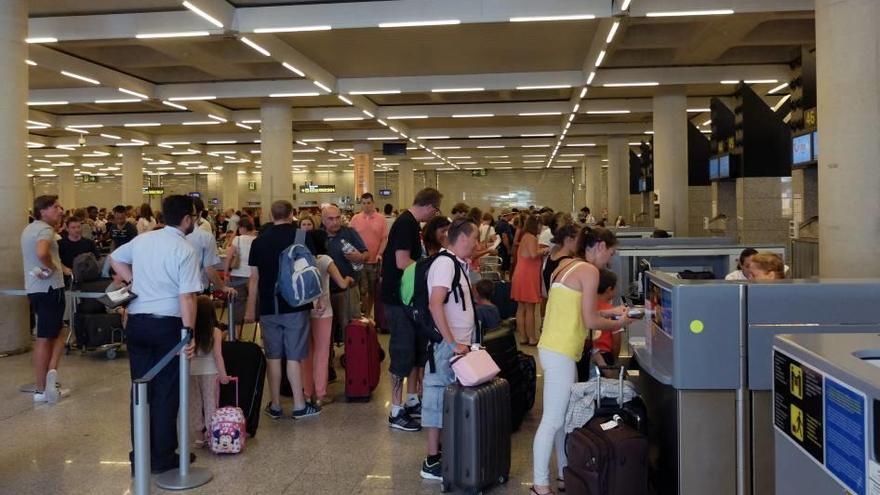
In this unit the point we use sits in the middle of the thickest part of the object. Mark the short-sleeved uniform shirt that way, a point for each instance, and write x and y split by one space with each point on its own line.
206 247
36 231
164 266
334 248
264 256
123 235
460 318
404 236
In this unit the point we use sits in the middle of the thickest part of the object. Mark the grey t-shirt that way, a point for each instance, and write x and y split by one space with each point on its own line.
37 231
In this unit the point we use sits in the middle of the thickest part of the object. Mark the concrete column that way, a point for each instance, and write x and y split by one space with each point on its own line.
277 154
671 159
593 181
618 162
14 332
66 188
405 184
364 180
230 186
847 41
132 176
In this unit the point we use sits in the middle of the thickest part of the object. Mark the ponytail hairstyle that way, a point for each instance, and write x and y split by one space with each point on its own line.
564 232
591 236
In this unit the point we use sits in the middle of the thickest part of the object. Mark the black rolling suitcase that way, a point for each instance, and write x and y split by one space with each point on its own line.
476 436
518 368
501 299
246 361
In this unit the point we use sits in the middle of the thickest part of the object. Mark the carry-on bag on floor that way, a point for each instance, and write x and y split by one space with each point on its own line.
476 436
246 361
362 357
228 426
92 305
607 456
96 330
501 299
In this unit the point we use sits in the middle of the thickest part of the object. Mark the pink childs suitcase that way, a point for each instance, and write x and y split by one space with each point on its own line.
228 426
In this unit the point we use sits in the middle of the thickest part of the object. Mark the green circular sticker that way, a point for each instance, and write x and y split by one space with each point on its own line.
697 326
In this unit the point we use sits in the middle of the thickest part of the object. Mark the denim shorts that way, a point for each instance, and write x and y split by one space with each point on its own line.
286 335
434 385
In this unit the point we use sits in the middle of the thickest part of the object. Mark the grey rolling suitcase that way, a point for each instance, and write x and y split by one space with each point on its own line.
476 436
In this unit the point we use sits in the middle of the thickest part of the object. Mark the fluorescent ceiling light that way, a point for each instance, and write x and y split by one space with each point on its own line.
250 43
292 29
180 34
625 5
30 62
535 146
75 129
192 98
294 95
38 125
591 77
293 69
134 93
534 156
382 138
251 121
432 137
111 136
490 147
778 88
230 141
698 110
423 158
203 14
174 105
484 136
88 126
341 119
583 92
683 13
141 124
402 117
600 58
493 163
316 140
538 114
444 22
607 112
471 115
118 100
202 122
376 92
345 100
543 18
707 122
457 90
322 86
781 102
217 118
612 32
574 145
534 168
751 81
548 134
545 86
447 147
43 39
244 126
81 77
631 84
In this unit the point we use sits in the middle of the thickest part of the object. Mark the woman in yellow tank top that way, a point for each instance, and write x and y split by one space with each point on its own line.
571 309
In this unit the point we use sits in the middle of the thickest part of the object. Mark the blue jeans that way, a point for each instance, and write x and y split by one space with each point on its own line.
434 385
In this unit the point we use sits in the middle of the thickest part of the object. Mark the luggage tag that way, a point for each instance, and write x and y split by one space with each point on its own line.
612 423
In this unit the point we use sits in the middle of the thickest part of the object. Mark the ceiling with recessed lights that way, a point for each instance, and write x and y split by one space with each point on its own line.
467 83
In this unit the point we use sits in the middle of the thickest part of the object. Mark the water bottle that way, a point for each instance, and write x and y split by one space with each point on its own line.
347 248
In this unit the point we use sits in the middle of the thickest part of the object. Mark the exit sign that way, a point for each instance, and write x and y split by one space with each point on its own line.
480 172
89 178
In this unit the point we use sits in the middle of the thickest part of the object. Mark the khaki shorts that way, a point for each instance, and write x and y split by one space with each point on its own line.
369 279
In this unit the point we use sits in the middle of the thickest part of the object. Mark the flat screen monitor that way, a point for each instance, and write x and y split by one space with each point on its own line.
394 149
195 195
659 306
384 192
815 145
801 149
724 167
713 168
643 185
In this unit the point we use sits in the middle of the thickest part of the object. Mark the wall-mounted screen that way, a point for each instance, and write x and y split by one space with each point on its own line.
659 305
724 166
815 145
713 168
384 192
801 149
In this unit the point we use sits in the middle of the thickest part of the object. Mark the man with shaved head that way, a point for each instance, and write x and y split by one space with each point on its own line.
349 254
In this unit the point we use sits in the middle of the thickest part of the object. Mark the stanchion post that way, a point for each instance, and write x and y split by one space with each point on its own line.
231 310
141 405
184 477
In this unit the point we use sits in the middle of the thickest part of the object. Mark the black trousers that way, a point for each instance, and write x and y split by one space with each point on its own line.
149 338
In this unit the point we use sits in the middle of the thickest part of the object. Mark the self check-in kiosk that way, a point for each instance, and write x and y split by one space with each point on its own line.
826 409
705 345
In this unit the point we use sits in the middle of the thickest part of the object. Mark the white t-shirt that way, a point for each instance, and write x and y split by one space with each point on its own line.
242 244
145 224
736 275
461 322
324 263
545 238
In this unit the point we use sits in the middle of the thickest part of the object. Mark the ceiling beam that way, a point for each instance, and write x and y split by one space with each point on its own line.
711 74
641 8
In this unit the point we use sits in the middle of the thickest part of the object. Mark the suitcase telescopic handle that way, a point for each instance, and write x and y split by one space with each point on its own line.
217 387
621 376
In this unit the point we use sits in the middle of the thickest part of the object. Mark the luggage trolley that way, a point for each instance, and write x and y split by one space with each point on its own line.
115 336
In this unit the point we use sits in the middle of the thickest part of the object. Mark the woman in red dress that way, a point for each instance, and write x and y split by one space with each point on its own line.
526 283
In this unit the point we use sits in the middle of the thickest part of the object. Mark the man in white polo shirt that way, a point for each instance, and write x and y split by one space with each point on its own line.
164 270
452 308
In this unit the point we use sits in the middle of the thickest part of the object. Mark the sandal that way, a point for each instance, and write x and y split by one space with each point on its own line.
535 492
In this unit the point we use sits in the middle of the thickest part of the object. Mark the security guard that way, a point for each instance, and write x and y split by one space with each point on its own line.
164 270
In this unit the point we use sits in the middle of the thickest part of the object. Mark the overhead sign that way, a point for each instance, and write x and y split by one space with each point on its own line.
89 178
154 191
317 188
824 417
252 185
480 172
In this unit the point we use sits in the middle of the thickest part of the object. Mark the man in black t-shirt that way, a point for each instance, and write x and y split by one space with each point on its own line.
285 328
407 347
74 245
121 231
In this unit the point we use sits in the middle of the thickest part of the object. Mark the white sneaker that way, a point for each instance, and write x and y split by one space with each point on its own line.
51 391
40 397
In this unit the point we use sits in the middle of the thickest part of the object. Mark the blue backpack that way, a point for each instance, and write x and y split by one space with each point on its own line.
299 280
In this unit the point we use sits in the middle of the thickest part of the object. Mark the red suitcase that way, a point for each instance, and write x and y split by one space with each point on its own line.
362 357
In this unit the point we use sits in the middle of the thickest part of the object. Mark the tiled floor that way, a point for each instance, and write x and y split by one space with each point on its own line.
81 445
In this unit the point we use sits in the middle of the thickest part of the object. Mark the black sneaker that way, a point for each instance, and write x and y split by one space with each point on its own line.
308 411
432 471
404 421
414 411
273 413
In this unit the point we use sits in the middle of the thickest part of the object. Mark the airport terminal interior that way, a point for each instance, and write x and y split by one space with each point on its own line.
717 161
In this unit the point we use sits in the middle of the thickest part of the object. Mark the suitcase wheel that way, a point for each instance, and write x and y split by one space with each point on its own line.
503 479
111 353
